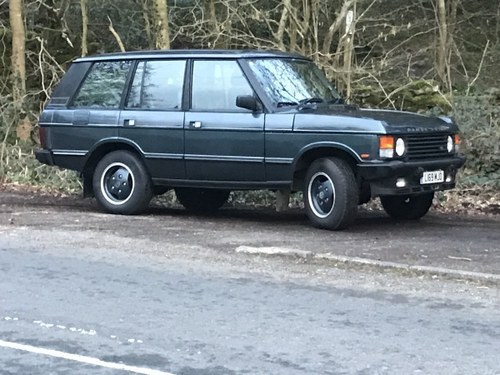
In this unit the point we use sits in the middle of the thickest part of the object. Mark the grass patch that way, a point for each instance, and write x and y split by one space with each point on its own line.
19 166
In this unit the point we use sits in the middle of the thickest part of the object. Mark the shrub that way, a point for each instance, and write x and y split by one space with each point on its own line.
479 119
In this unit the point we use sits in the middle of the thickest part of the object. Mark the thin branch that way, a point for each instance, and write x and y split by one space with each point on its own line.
469 86
115 34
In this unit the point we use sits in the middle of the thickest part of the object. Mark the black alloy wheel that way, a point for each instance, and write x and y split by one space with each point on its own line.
121 183
331 194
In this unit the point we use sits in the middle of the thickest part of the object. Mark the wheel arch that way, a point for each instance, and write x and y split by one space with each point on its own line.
315 151
101 149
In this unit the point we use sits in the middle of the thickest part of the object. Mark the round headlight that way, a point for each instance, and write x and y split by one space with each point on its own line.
400 147
449 144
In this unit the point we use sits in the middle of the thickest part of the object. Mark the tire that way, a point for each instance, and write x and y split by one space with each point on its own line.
331 194
407 207
121 183
201 200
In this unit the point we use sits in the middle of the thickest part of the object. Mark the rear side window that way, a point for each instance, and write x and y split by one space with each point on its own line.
103 86
157 85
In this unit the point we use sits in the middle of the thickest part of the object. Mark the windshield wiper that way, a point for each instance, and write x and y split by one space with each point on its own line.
285 104
305 103
311 100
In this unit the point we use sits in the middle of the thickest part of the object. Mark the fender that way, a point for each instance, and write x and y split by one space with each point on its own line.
113 140
325 144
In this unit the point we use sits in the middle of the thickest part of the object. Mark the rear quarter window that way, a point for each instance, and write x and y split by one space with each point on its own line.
104 85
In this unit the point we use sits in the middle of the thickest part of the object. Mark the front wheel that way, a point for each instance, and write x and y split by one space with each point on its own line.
201 200
331 194
121 183
407 207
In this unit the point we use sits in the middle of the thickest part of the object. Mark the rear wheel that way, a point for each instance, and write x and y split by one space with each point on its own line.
121 183
331 194
407 207
202 200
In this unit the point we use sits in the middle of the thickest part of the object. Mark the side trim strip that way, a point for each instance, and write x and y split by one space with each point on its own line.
70 152
279 160
172 156
159 155
312 131
247 159
55 123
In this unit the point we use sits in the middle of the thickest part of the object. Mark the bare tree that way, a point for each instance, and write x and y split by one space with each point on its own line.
446 13
18 50
85 22
147 22
161 24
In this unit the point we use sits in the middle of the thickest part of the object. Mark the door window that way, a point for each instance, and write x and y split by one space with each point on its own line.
103 86
216 84
157 85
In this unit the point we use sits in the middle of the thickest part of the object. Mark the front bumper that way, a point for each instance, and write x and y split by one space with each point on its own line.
44 157
382 176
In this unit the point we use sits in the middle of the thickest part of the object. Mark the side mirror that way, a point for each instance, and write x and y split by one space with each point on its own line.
247 102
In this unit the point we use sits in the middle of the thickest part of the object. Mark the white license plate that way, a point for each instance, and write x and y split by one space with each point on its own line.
432 177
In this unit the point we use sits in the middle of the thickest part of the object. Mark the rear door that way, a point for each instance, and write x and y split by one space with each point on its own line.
153 118
222 142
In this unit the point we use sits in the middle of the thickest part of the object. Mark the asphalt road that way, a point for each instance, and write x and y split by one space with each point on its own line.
168 292
190 317
453 242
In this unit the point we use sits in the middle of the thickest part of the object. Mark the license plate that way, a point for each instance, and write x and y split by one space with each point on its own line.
432 177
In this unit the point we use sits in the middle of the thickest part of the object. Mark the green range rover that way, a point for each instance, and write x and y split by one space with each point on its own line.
206 122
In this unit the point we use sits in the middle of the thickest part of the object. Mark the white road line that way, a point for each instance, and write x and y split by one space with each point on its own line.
81 359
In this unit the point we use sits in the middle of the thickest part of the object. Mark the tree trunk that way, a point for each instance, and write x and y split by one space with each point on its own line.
336 25
282 24
442 43
161 23
214 28
147 23
446 13
85 24
18 56
349 45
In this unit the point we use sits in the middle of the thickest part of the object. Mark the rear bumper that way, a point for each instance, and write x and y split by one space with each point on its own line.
382 176
44 157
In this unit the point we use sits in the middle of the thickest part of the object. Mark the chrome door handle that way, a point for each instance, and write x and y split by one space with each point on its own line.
129 122
195 124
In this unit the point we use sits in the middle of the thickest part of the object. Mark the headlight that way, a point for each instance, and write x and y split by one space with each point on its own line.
400 147
449 144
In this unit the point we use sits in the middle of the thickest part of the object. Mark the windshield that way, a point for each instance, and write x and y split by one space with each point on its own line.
293 81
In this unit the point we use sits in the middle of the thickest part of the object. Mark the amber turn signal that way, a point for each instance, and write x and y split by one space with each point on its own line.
386 142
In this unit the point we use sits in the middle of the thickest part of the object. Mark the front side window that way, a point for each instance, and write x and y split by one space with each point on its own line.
103 86
216 84
291 81
157 85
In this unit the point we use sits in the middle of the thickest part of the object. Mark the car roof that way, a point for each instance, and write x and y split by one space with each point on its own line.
190 53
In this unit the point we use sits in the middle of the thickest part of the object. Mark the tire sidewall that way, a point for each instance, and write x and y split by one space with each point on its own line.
141 190
201 200
344 206
417 207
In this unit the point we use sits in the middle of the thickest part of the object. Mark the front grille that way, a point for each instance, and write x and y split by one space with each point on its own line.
426 146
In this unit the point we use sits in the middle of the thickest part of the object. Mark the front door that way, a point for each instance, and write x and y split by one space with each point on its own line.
222 142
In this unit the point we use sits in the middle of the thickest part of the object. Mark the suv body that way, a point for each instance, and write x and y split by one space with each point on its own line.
208 122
